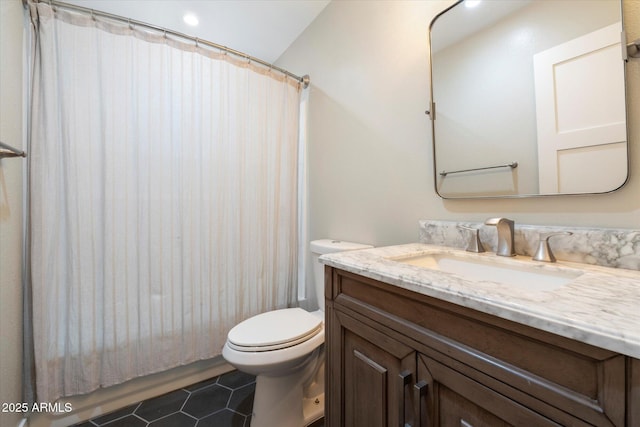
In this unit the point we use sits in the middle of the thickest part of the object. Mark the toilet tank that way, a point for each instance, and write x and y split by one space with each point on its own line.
327 246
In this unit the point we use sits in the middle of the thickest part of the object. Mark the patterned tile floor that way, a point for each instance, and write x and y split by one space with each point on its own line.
224 401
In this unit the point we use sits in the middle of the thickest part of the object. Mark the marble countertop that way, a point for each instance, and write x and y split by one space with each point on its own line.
601 307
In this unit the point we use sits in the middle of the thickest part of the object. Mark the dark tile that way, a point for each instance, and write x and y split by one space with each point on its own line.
128 421
318 423
162 406
242 399
201 384
236 379
207 401
115 415
175 420
224 418
225 401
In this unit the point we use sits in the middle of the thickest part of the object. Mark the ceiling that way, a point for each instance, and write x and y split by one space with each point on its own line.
261 28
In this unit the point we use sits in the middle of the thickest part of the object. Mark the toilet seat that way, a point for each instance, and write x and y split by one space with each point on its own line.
274 330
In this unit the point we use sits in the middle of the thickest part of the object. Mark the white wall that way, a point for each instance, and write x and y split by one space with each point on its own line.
10 208
370 144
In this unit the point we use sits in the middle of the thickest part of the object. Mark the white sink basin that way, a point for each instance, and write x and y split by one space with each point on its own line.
508 271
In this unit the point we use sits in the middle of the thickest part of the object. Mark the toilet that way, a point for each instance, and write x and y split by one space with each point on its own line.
283 349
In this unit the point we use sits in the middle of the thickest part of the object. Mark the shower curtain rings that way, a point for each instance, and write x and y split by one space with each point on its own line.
156 31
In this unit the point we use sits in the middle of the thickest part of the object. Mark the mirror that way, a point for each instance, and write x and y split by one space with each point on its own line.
528 98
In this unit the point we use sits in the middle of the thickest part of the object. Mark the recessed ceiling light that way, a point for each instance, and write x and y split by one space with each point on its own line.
471 3
190 19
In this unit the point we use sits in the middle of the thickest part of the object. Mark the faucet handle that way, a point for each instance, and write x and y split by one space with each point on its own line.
473 244
544 252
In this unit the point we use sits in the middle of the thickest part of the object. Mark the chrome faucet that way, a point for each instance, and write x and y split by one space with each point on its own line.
505 235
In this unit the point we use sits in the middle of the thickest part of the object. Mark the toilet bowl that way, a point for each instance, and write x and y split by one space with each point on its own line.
284 350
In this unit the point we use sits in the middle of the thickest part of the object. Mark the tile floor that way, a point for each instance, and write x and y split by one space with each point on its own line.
224 401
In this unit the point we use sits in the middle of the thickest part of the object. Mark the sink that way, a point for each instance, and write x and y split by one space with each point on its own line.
508 271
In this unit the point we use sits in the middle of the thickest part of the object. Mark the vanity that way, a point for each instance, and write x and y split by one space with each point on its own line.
411 343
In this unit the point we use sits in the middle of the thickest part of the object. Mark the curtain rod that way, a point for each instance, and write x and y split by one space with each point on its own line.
304 79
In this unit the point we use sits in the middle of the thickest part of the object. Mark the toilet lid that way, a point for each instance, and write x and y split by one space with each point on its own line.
274 330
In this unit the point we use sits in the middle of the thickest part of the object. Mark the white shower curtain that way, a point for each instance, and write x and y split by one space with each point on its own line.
163 194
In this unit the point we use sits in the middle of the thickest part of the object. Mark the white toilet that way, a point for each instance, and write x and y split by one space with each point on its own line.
283 349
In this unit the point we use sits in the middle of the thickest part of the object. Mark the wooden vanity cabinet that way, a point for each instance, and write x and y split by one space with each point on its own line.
399 358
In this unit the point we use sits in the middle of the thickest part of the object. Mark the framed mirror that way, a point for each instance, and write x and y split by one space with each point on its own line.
528 98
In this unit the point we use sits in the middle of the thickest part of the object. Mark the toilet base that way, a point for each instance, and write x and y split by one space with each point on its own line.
292 400
313 409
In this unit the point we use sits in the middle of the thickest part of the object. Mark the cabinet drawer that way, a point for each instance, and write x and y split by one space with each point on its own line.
453 400
556 376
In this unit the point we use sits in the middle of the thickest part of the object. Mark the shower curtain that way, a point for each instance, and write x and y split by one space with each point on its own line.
163 199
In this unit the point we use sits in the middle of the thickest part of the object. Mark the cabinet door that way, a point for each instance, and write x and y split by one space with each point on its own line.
451 399
377 373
